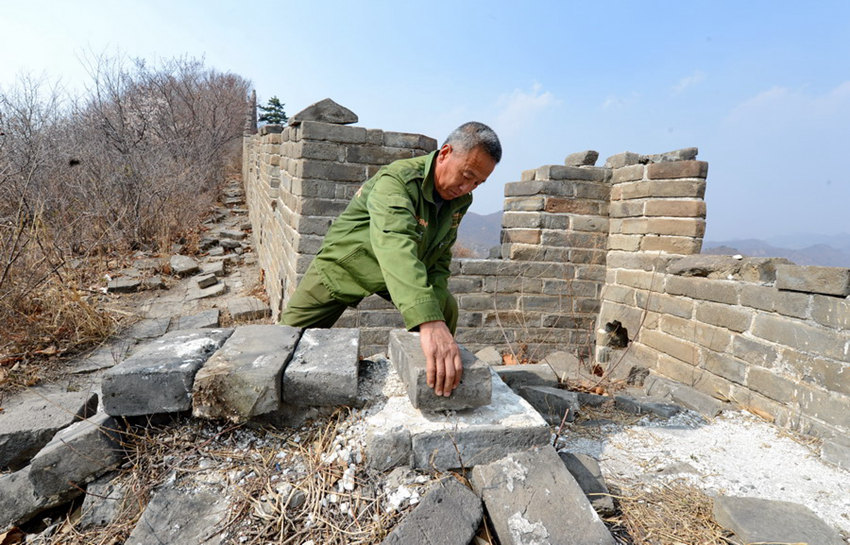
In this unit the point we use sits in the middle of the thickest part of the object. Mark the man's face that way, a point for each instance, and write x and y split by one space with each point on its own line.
458 173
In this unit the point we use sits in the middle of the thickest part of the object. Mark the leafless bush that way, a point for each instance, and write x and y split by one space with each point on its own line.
134 162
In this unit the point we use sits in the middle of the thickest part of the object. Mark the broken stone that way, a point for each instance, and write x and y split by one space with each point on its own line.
102 358
489 355
532 498
103 502
325 111
205 319
29 422
691 398
19 501
158 378
216 290
206 280
149 264
812 279
191 516
529 374
153 283
386 449
449 514
243 378
230 244
622 160
148 329
124 284
324 368
553 403
216 268
183 265
581 158
640 406
406 355
684 154
564 364
588 475
75 456
247 308
217 251
755 520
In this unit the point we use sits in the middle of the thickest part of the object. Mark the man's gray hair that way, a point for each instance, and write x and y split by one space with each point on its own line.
471 135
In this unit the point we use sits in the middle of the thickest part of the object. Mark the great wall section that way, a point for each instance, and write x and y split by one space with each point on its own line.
586 246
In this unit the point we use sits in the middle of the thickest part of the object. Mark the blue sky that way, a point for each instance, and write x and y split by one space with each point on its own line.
761 87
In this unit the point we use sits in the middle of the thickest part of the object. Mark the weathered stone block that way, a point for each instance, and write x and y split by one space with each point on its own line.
449 514
243 378
386 449
193 515
736 319
124 284
622 159
686 209
532 374
553 403
680 349
247 308
406 354
325 111
75 456
559 172
30 421
582 158
811 279
629 173
756 520
671 244
19 501
183 265
158 378
557 205
103 502
323 370
521 514
314 130
677 169
587 473
831 311
703 289
800 336
638 406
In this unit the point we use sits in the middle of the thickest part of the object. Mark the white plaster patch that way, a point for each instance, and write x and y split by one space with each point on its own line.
525 532
513 471
190 347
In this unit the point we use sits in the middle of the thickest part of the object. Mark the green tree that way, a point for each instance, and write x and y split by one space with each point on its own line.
273 112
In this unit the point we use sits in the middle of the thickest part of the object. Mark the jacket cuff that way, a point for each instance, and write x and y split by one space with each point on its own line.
428 310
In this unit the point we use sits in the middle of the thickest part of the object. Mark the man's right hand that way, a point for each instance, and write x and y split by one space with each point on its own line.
443 369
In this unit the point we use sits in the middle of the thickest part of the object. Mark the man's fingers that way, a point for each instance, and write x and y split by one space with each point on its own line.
430 370
449 383
458 370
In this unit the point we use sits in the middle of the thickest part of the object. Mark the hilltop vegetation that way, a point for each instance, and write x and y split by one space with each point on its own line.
133 163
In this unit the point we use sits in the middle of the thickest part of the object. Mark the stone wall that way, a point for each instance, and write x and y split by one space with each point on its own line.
764 334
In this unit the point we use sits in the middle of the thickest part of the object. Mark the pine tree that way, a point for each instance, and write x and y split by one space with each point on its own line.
273 112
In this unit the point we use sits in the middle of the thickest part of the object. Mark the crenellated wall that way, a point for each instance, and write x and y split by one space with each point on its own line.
584 247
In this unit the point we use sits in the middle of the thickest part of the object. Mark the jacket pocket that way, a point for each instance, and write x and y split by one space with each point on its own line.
363 270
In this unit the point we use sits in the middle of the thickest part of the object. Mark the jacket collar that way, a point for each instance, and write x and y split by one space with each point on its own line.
428 183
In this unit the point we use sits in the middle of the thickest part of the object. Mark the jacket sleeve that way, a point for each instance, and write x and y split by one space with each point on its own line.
394 237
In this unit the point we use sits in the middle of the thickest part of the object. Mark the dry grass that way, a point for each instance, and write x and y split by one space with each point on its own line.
675 513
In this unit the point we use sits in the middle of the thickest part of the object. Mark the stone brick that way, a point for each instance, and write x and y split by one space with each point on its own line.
629 173
313 130
823 372
678 348
183 515
560 188
386 449
583 223
666 304
379 155
582 158
631 260
772 385
528 175
622 159
557 205
720 291
811 279
527 220
465 284
753 351
670 244
726 367
406 355
678 227
320 207
767 298
521 514
323 370
801 336
326 170
831 312
532 374
247 308
592 190
626 209
640 279
75 456
524 204
158 377
552 237
656 189
629 243
554 404
456 507
756 520
587 473
733 318
675 208
677 169
560 172
524 236
243 378
830 407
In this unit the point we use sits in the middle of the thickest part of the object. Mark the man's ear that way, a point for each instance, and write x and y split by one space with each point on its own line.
444 152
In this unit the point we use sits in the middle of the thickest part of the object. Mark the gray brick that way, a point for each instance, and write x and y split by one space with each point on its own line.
312 130
719 291
753 351
560 172
325 170
406 354
243 378
622 159
823 280
378 155
831 312
560 188
533 374
732 318
553 404
801 336
726 367
677 169
582 158
324 368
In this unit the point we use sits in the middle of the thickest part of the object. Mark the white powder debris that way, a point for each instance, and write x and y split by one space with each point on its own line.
512 471
525 532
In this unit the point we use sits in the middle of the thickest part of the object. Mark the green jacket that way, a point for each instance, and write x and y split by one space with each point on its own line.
392 238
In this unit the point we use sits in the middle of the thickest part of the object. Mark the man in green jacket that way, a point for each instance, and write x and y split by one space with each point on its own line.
395 239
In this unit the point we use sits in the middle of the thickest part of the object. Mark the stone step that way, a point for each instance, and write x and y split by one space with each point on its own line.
323 371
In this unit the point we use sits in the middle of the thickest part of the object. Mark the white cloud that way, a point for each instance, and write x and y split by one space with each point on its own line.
689 81
519 107
614 101
780 105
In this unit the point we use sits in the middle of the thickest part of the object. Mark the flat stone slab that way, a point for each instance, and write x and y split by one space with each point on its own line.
191 516
18 500
206 280
582 158
30 421
532 498
247 308
243 378
455 438
158 377
552 403
78 454
587 473
213 267
532 374
812 279
149 328
153 283
183 265
324 368
489 355
449 514
103 502
231 234
474 390
755 520
194 293
640 405
125 284
205 319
